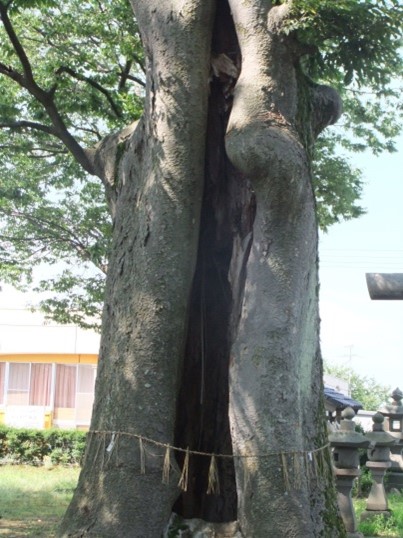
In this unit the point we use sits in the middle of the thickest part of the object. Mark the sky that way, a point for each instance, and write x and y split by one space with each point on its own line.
355 331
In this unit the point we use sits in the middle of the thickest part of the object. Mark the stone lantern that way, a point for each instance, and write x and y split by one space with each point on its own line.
378 464
346 442
393 413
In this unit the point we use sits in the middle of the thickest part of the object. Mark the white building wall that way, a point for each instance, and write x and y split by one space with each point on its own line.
24 331
336 383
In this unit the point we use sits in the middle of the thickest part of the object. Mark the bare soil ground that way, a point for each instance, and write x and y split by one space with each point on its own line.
30 527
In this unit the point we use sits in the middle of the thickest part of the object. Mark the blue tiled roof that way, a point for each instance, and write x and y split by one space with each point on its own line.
340 401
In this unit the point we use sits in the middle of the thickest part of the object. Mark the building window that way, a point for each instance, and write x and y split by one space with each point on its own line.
65 389
41 380
2 381
396 425
85 393
18 384
86 378
28 384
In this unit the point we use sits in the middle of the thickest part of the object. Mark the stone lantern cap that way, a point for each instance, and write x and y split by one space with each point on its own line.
346 436
395 408
378 437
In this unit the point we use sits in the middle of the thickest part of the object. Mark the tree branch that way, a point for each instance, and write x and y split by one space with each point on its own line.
136 79
139 62
124 73
66 236
104 154
19 49
95 160
59 128
22 124
93 131
9 72
45 98
327 107
46 150
94 84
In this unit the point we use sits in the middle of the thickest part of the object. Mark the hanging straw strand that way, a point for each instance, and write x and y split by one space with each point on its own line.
98 450
183 481
284 465
213 479
210 454
167 466
311 463
103 442
298 469
142 457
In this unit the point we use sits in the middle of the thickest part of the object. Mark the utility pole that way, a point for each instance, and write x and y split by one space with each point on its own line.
350 356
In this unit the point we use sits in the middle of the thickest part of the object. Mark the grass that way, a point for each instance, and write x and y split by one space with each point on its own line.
34 499
391 527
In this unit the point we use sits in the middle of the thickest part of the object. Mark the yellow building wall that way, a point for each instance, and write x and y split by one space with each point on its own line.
48 421
63 358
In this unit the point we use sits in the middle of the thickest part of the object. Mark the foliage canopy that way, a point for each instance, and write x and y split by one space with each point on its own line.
72 72
365 390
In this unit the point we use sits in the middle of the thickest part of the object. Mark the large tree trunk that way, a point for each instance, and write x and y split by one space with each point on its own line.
275 368
151 269
210 328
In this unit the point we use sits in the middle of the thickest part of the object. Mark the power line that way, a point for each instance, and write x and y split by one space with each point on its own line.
44 325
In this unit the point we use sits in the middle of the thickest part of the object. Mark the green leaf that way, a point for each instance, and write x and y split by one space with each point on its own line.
89 56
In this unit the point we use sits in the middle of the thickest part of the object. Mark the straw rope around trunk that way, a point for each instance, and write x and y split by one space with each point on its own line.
295 465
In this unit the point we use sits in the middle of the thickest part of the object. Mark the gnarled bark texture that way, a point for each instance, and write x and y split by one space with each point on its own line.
275 368
210 329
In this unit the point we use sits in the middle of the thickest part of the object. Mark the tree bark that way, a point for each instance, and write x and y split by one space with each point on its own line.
155 238
210 328
275 370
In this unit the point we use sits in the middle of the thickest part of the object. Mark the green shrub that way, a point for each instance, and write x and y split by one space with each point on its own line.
362 486
67 448
22 445
3 442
